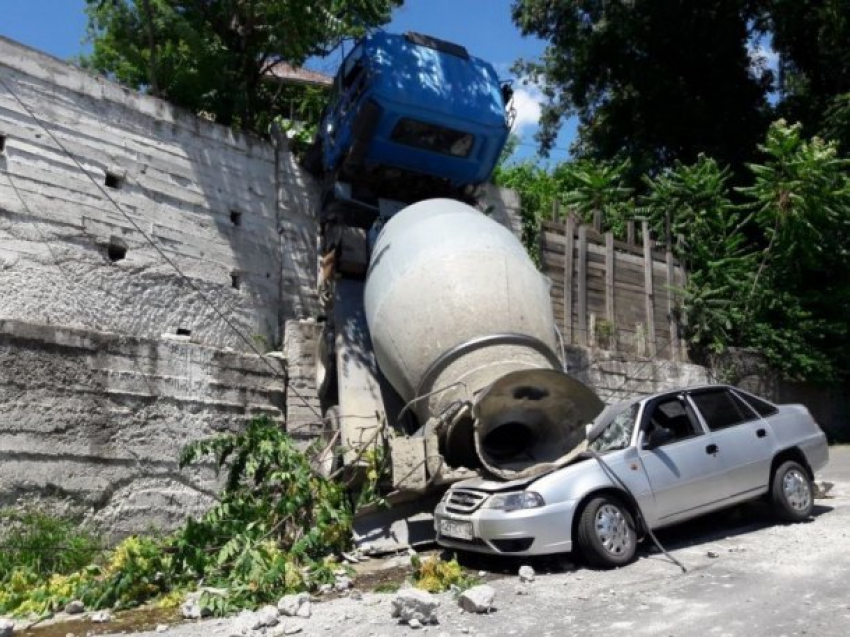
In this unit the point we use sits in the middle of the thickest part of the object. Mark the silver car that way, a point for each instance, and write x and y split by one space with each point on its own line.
650 462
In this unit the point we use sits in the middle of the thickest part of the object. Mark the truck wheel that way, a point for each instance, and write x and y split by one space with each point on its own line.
792 493
606 533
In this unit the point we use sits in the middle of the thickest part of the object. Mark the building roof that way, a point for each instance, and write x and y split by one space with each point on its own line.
291 75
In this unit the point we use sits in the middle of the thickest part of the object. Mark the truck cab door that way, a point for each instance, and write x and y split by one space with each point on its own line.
682 461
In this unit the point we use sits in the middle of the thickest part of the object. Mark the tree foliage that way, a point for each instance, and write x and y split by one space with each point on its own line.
652 81
811 38
211 56
768 264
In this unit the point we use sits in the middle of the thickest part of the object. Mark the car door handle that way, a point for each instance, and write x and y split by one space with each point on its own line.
711 449
761 433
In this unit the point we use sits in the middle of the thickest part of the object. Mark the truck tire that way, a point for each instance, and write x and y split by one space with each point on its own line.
606 534
792 493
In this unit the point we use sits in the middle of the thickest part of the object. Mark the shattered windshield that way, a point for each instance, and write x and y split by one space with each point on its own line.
618 433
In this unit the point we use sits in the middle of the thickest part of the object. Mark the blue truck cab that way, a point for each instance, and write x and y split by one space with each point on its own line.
411 116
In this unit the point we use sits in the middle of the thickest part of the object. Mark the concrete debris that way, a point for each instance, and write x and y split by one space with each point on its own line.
325 588
75 607
101 617
292 630
267 617
415 624
161 628
822 489
526 574
297 605
343 583
192 609
247 621
478 599
350 558
7 627
413 604
712 554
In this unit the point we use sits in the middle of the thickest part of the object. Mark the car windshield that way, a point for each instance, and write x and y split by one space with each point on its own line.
618 433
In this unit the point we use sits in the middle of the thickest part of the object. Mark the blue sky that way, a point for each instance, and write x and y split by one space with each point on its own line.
484 27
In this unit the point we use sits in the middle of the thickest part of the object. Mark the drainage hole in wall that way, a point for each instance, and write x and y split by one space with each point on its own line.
236 217
2 143
184 331
235 280
117 250
112 180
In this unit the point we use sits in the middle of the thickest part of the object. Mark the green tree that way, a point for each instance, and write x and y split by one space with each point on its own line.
694 200
811 38
211 56
652 81
800 296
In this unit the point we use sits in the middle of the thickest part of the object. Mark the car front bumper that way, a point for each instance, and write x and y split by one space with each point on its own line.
538 531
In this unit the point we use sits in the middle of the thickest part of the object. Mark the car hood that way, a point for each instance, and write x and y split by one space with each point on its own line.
493 486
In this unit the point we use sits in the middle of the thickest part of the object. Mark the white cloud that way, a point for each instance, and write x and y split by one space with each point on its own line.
527 101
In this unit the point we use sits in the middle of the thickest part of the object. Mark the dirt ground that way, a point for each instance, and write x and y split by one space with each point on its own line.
747 576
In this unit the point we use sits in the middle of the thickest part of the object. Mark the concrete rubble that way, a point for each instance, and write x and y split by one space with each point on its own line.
478 599
7 627
526 574
102 617
413 604
192 609
297 605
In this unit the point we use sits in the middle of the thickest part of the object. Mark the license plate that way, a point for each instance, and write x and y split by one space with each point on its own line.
456 529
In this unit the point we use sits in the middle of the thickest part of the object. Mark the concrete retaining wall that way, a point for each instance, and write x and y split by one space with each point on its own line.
232 212
96 421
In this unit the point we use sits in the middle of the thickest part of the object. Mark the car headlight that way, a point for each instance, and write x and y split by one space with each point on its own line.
515 501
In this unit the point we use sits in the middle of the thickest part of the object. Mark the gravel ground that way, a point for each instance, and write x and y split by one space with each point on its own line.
746 576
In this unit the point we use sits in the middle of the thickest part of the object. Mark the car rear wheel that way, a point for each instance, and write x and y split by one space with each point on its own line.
606 533
792 493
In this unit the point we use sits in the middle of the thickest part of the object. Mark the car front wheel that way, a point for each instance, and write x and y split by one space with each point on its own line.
606 533
792 493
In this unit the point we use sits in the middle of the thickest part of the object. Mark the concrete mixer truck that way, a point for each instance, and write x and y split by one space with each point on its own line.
438 343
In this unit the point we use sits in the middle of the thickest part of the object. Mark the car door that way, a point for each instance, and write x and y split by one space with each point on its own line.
744 440
684 468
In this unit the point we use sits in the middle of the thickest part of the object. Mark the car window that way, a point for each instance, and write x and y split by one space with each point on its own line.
721 408
618 434
670 420
763 407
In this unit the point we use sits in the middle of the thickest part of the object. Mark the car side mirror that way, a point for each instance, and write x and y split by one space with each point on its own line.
657 437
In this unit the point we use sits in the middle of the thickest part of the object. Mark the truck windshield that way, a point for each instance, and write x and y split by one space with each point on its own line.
618 433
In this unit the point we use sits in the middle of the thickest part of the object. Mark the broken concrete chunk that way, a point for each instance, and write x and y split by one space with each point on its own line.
297 605
342 583
526 574
161 628
7 627
267 617
478 599
192 609
414 624
411 603
75 607
101 617
822 489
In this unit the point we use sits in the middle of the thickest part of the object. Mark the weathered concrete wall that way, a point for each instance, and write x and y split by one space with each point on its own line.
97 420
97 395
218 204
